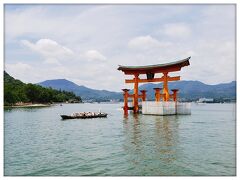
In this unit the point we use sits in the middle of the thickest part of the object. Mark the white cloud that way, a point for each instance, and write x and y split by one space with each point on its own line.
19 70
94 55
34 74
53 52
49 49
19 67
88 36
177 30
146 42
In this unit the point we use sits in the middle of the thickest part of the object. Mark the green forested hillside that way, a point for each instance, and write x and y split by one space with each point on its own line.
17 91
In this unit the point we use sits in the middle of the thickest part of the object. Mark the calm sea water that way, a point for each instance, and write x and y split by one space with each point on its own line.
38 143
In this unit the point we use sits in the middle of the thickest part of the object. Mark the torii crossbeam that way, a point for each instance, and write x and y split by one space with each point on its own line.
150 71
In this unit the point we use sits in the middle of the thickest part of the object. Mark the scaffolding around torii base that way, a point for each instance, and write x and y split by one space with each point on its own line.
150 72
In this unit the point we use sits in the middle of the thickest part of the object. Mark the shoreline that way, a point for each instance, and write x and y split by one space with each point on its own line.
28 105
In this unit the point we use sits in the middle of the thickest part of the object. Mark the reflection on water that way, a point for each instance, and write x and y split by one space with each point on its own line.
158 132
167 133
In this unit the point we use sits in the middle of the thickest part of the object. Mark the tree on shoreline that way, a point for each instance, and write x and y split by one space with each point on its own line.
17 91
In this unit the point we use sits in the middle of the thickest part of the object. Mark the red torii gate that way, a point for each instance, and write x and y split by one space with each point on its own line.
150 71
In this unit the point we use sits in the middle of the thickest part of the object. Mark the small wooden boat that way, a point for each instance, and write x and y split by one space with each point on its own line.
84 115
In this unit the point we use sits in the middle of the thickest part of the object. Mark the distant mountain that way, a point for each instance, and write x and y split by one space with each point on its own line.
196 89
187 90
60 84
84 92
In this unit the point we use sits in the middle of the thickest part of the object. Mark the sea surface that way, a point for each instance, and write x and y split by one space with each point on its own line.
38 143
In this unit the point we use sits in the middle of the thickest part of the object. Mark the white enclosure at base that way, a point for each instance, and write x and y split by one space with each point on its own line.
165 108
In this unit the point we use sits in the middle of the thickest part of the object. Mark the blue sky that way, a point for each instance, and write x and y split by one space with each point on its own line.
86 43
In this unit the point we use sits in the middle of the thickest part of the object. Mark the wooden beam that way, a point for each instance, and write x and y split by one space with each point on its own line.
131 95
129 81
144 80
176 78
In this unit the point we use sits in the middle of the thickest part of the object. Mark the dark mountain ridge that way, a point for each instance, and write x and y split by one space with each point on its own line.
197 89
85 92
187 90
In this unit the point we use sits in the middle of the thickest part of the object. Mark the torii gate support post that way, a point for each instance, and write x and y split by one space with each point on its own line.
143 95
125 95
157 94
175 94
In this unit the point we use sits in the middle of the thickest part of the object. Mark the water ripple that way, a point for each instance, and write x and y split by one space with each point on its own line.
38 143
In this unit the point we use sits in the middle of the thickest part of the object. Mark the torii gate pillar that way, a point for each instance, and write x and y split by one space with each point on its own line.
135 94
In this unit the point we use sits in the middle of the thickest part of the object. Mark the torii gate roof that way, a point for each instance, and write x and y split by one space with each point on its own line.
157 68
